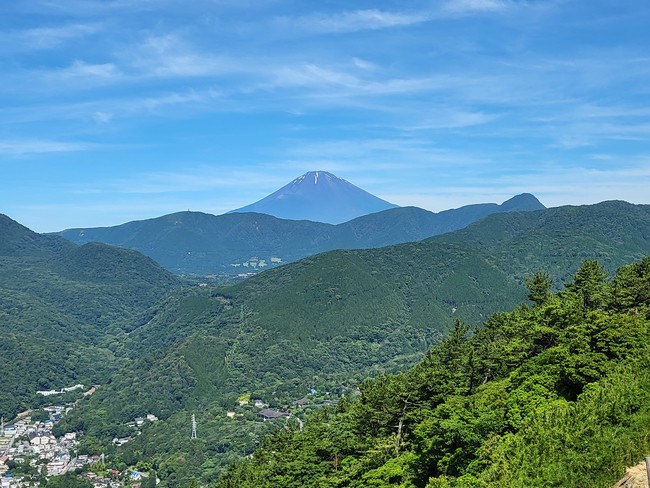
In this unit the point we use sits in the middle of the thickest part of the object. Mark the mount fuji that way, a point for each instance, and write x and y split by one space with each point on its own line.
318 196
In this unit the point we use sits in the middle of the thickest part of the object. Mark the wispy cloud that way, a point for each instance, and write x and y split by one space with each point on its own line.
52 37
92 8
81 69
407 155
102 117
350 21
171 56
192 179
33 146
104 110
169 100
471 6
452 119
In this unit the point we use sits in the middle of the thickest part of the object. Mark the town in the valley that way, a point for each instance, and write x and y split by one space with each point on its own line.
30 453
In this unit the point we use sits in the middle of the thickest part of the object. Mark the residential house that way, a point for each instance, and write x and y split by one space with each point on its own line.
269 413
41 438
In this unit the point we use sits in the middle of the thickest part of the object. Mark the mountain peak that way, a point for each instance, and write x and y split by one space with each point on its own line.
318 196
524 202
314 175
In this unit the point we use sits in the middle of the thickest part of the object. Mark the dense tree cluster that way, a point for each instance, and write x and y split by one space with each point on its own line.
553 394
64 310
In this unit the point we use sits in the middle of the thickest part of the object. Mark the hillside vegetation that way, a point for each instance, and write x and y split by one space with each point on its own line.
558 239
271 337
556 394
63 309
329 321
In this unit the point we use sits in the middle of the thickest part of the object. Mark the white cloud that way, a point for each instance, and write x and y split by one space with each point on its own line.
31 146
330 82
350 21
169 56
192 179
452 119
470 6
310 75
102 117
81 69
171 99
364 65
51 37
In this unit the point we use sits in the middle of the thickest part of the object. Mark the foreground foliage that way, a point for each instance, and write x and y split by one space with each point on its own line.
550 395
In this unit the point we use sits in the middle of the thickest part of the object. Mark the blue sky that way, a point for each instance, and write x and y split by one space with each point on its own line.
117 110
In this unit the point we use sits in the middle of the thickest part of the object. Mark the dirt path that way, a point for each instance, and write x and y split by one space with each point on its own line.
635 477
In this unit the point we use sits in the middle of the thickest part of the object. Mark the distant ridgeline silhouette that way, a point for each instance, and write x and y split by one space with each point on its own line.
250 240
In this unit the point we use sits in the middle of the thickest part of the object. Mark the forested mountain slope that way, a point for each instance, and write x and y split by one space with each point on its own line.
61 305
551 395
273 336
333 319
557 239
236 243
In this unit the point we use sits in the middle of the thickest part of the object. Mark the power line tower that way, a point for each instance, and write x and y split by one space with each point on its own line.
193 426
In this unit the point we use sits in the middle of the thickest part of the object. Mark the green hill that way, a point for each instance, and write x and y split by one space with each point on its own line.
63 308
558 239
553 395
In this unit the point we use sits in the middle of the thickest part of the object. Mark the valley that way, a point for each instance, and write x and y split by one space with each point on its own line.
285 244
297 341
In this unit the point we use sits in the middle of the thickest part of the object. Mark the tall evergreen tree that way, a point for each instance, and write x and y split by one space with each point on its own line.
590 283
539 287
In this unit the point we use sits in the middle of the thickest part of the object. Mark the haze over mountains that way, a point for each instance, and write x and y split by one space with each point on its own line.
321 197
238 243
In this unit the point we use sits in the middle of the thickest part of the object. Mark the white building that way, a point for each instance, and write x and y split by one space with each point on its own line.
41 438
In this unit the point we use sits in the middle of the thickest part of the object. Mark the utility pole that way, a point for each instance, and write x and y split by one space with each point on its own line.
193 426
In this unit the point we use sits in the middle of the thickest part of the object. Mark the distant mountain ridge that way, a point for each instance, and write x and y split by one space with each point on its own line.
318 196
235 243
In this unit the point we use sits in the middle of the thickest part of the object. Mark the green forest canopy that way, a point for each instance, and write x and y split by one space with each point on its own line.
556 394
